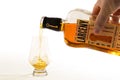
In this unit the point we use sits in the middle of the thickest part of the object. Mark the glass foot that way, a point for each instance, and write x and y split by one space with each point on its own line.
39 72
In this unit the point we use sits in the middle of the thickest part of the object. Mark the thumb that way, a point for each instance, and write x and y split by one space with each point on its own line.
101 19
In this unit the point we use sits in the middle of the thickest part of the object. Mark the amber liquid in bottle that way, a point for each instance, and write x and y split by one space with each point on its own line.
69 35
70 39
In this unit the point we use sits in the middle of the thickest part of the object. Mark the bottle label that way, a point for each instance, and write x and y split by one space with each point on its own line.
109 36
117 38
105 38
81 31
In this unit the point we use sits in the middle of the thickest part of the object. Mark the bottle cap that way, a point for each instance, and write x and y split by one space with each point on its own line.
51 23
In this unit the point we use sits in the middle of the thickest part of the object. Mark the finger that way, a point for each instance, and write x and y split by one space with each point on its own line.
95 11
115 17
102 18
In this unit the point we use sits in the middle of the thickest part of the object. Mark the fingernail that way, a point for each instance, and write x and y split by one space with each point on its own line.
96 31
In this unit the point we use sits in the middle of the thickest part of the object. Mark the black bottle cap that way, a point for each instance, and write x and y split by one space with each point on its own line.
51 23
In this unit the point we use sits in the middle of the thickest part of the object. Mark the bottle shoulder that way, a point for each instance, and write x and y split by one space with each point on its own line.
75 14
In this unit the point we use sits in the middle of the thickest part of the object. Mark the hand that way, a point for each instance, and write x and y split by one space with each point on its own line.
103 9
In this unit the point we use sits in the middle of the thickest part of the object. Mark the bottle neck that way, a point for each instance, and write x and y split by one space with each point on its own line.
55 24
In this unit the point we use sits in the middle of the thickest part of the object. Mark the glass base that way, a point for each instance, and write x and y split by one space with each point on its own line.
39 72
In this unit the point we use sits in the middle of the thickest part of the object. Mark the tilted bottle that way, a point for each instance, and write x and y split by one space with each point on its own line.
78 31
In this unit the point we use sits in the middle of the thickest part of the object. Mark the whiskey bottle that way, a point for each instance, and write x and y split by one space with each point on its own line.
78 31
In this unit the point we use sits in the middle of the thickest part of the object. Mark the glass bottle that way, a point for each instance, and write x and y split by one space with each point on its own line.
78 31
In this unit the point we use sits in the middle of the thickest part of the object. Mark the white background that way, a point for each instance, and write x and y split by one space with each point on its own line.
19 21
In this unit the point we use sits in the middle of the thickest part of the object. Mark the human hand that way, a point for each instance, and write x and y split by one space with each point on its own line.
103 9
